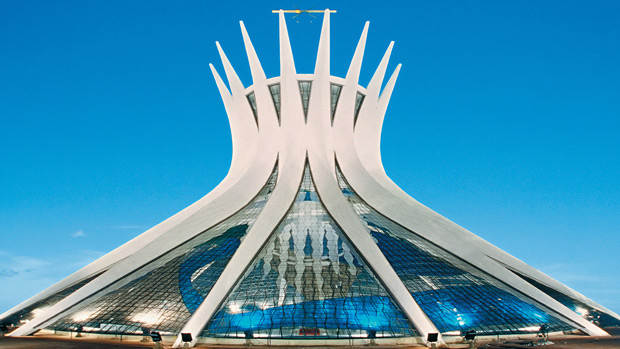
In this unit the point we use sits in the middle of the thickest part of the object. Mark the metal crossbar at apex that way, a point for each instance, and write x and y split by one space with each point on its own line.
300 11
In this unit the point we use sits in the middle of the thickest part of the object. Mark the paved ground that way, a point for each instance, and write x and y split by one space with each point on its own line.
61 343
575 342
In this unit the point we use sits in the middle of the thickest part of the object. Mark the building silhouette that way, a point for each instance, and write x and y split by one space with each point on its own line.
307 240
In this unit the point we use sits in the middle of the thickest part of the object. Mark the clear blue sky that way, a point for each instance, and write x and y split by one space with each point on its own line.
505 119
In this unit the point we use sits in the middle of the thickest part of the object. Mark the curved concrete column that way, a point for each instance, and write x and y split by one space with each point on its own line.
264 135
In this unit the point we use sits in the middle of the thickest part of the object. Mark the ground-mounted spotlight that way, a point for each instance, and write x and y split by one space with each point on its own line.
145 334
372 335
186 338
156 337
432 338
470 336
544 332
249 335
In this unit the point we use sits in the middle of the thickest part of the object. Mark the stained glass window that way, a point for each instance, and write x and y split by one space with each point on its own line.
359 99
304 89
454 295
30 312
163 294
335 95
307 282
594 315
275 96
252 99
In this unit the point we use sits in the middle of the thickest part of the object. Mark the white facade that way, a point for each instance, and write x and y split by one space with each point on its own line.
341 147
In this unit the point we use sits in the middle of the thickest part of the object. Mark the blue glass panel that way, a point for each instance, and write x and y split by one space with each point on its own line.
328 313
17 319
164 293
454 295
594 315
308 281
202 267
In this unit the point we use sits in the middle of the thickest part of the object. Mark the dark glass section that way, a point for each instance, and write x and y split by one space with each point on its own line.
594 315
162 295
308 282
252 99
201 268
335 95
359 99
275 96
454 295
304 90
17 319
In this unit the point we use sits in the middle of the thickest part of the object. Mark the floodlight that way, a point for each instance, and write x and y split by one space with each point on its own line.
186 337
155 336
303 112
432 337
544 331
470 335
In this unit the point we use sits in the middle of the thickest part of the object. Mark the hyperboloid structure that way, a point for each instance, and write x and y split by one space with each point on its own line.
307 240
